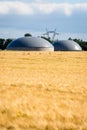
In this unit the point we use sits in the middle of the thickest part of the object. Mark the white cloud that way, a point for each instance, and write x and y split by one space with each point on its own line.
39 7
15 8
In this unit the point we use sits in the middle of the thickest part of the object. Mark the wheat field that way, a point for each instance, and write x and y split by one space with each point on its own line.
43 90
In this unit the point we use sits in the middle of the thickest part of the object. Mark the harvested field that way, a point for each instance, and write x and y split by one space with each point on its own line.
43 90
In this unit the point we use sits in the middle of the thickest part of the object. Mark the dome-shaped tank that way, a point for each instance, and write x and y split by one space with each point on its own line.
66 45
30 43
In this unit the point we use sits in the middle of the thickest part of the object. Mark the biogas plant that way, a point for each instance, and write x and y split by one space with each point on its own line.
29 43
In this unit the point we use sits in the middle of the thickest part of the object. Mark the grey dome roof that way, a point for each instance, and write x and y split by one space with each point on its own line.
66 45
30 43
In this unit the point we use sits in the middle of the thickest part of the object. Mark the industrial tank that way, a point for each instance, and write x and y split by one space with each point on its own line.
66 45
31 44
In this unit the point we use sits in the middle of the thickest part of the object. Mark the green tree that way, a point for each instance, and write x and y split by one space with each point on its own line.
2 41
48 39
27 35
69 38
7 41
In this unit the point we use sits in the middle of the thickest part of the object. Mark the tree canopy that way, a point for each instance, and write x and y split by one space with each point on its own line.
48 39
28 35
4 43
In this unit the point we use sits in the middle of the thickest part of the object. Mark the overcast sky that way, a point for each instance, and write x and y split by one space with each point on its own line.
18 17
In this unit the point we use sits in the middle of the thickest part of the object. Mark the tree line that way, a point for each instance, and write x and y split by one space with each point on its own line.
5 42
